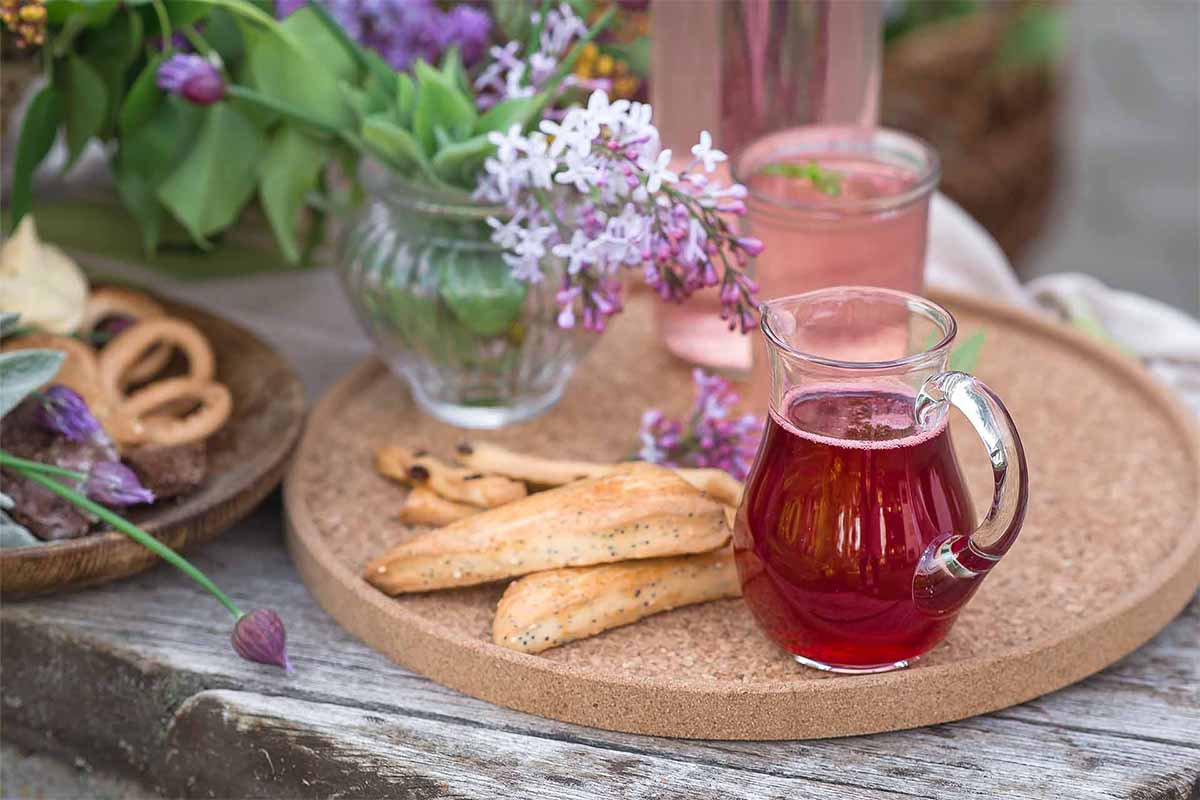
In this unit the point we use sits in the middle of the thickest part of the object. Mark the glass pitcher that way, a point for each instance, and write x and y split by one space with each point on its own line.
856 543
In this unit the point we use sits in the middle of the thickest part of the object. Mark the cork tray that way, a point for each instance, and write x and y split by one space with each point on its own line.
1109 554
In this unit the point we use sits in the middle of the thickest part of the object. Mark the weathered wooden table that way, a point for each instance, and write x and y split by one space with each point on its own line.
139 676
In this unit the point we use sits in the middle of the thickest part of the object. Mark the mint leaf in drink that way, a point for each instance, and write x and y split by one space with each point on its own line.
825 181
964 357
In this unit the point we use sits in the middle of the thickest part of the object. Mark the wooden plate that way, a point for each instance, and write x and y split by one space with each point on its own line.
1109 554
246 460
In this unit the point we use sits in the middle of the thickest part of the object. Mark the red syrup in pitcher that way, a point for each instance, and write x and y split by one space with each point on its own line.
845 496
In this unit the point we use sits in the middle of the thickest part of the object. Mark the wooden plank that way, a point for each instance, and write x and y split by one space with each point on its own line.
132 653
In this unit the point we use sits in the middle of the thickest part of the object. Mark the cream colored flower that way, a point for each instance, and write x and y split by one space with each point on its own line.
41 282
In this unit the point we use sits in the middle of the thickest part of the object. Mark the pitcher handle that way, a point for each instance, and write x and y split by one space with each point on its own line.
954 565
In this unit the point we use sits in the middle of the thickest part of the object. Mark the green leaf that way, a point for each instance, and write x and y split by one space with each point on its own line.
481 291
301 79
287 174
395 145
38 129
406 99
149 151
222 32
216 178
111 50
454 71
1038 36
966 355
459 163
86 106
90 13
825 181
23 371
520 111
440 102
142 99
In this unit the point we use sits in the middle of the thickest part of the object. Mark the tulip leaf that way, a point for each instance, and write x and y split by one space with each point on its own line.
87 13
520 111
481 291
459 162
406 99
38 130
395 145
306 81
23 371
112 50
208 189
287 174
440 102
86 105
142 99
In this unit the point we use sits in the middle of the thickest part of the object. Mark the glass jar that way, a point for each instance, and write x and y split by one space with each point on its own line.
478 348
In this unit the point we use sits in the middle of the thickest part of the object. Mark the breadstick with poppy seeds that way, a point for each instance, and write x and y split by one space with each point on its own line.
459 485
492 458
548 609
640 511
426 507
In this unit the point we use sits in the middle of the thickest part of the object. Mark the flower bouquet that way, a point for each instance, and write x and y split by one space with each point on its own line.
507 200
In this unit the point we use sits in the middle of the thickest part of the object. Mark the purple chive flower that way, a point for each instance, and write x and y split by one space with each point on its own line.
711 438
112 326
260 637
62 411
192 77
111 483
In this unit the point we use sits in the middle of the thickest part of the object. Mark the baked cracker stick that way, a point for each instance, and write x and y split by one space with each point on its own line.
420 468
492 458
640 511
487 457
426 507
548 609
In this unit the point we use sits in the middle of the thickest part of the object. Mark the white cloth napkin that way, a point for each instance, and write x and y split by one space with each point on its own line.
963 257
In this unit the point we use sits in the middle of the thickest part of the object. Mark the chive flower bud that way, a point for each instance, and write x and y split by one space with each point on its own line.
193 78
259 636
114 484
62 411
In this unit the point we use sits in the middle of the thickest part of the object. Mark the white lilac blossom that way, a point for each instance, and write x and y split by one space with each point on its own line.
513 74
595 189
710 437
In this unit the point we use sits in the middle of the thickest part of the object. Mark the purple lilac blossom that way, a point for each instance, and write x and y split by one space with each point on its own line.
597 191
192 77
401 31
512 74
111 483
62 411
711 437
259 636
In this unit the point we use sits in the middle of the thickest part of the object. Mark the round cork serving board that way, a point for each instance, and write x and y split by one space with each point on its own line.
1109 554
246 460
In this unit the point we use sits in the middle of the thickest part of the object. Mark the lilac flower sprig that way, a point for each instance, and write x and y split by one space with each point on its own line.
709 438
596 190
257 636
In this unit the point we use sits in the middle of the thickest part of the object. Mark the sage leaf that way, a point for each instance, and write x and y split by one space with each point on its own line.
86 106
287 174
23 371
481 291
38 130
216 178
13 534
9 321
440 102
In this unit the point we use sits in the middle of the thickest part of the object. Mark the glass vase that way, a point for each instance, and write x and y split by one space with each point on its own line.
478 348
